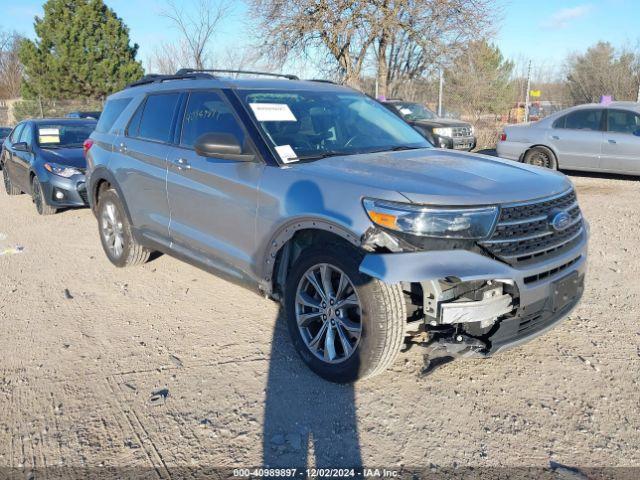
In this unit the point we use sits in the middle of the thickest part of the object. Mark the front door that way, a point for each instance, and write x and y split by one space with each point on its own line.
577 139
22 159
621 146
213 201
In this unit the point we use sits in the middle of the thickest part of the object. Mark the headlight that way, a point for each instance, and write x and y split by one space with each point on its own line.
461 223
444 132
473 130
61 170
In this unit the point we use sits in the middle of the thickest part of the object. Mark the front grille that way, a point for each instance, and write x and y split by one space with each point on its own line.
461 132
523 232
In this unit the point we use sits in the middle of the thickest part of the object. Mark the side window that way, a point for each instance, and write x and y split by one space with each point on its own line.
133 129
623 121
112 111
15 135
207 112
559 123
584 120
27 134
157 117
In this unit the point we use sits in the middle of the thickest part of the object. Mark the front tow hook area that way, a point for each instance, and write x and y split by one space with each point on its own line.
443 349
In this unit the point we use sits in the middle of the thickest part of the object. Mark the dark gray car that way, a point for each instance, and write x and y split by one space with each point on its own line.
319 197
45 159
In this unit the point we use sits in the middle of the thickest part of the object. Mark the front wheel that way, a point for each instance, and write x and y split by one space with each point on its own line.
42 207
345 325
115 233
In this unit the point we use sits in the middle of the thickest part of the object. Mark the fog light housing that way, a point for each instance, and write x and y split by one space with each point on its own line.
58 194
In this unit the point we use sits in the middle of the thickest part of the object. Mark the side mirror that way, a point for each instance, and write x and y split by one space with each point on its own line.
20 146
221 145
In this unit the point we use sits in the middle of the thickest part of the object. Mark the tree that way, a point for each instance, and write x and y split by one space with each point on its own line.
602 70
404 37
415 37
82 50
197 31
10 67
337 30
479 80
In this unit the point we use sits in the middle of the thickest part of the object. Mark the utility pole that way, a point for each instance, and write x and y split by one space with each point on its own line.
526 102
440 91
638 99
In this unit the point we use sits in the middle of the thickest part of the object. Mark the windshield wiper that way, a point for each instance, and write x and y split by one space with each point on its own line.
323 155
397 148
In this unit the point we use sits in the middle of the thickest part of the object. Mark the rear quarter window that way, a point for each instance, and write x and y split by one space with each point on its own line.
112 110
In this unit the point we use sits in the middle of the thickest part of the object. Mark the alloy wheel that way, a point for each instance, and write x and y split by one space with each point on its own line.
7 181
328 313
112 229
540 159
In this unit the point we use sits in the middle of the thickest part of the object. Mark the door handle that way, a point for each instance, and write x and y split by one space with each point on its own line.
555 137
611 140
123 148
183 164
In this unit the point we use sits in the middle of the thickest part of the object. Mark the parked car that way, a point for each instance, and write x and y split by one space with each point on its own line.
45 158
4 133
91 115
319 197
593 137
441 132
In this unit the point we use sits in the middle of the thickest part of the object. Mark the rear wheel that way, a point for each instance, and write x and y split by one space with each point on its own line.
345 325
541 157
8 184
42 207
115 233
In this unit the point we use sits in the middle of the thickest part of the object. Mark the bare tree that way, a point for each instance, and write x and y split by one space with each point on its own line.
602 70
338 29
10 66
415 38
167 58
197 28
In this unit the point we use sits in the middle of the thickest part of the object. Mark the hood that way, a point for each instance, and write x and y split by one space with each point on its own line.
441 122
71 157
442 177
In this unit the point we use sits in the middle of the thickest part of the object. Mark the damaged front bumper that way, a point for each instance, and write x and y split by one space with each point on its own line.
487 299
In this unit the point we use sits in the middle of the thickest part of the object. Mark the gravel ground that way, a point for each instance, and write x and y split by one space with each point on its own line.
165 366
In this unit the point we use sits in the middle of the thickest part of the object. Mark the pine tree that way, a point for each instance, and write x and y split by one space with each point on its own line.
82 50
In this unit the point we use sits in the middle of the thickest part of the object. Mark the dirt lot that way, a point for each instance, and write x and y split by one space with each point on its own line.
85 345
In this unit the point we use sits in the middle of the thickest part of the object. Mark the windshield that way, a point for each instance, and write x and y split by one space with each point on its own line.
414 111
309 125
64 135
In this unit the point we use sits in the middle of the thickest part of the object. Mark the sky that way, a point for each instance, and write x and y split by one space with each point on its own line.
544 31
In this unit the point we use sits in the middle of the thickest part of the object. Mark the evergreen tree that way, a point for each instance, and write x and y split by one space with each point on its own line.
82 50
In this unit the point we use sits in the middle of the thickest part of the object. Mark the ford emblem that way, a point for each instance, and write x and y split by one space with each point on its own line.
560 221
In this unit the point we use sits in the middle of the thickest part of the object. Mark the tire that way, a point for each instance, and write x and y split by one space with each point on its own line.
115 233
37 194
541 157
9 187
380 312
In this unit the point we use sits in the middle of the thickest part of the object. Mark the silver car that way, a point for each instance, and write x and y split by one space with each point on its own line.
320 198
592 137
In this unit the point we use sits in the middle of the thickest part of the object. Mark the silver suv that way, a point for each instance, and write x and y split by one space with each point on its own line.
319 197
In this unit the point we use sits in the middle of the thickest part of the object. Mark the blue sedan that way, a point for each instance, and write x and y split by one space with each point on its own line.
45 158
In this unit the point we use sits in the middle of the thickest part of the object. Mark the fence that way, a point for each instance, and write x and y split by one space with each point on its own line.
16 110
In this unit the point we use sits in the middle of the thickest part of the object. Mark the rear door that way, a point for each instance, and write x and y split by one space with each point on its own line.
140 164
577 139
621 146
213 201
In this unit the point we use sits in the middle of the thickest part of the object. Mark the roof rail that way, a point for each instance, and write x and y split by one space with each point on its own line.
322 80
156 78
189 71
